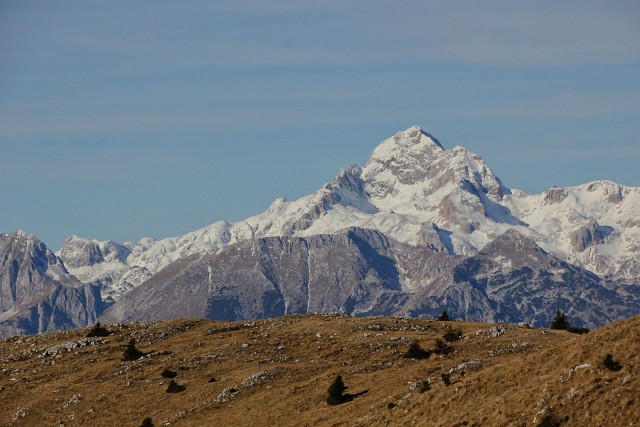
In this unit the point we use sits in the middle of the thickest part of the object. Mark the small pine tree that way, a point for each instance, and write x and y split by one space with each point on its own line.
97 331
131 352
425 386
416 352
336 391
444 316
442 347
578 330
168 374
548 421
147 422
174 387
611 364
560 321
453 335
446 378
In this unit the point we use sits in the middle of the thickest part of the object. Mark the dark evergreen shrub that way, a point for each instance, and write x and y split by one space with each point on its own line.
336 391
452 335
442 347
147 422
97 331
212 380
391 405
548 421
131 352
446 378
560 321
425 386
174 387
577 330
169 374
444 316
416 352
611 364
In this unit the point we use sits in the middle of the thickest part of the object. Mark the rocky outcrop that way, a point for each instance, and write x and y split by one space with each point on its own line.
589 234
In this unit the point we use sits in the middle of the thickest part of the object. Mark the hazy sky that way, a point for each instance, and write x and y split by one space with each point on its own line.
123 119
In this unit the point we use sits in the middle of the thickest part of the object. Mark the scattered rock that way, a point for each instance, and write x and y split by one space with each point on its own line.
254 379
471 365
226 394
76 398
495 332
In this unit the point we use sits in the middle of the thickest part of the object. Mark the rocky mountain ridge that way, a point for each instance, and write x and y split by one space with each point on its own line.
37 293
418 229
410 186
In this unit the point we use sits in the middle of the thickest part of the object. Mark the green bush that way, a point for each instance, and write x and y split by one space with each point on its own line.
98 331
560 321
452 335
577 330
336 391
416 352
147 422
444 316
611 364
425 386
446 378
442 347
174 387
131 352
169 374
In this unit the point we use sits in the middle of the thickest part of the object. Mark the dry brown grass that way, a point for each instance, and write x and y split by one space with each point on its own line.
524 374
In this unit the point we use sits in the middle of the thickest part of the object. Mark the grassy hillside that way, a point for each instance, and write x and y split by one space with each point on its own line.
277 372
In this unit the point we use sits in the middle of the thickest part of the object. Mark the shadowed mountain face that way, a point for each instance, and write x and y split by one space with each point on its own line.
351 272
361 272
37 294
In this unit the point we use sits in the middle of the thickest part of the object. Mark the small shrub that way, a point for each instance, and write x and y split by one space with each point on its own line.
391 405
169 374
147 422
416 352
611 364
336 391
174 387
212 380
98 331
560 321
452 335
551 420
444 316
446 378
131 352
548 421
577 330
425 386
442 347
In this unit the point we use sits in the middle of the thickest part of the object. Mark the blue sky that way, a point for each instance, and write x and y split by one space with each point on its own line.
120 120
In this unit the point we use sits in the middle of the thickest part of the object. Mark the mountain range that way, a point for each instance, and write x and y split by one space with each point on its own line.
417 230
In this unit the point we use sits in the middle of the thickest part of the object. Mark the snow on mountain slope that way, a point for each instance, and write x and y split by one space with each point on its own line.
595 225
414 191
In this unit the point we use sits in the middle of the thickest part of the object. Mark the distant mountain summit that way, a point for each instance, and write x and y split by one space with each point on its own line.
449 232
37 293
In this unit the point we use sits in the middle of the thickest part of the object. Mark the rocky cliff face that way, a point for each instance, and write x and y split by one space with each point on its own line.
37 293
362 272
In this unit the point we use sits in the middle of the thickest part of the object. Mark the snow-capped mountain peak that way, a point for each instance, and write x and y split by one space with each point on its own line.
412 190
